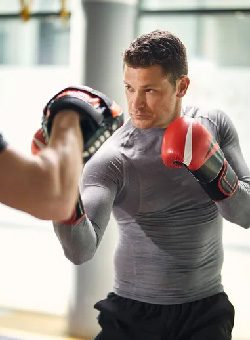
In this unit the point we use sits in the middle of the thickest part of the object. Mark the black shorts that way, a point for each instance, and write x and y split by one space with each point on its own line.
120 318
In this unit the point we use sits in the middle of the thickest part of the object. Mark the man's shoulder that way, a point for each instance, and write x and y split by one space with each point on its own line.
197 112
213 116
216 120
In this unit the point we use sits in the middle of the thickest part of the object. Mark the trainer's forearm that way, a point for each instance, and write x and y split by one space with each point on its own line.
66 139
45 185
62 162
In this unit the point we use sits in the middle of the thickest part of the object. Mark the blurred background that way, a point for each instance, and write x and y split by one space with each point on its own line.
48 44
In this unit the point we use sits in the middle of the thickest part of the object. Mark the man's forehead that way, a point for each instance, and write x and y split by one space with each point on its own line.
146 77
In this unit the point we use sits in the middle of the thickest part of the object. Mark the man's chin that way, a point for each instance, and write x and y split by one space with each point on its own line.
142 123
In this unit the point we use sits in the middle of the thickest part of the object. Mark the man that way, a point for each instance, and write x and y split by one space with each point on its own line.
169 175
45 185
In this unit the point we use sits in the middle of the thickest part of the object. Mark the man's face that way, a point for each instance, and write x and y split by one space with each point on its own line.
152 100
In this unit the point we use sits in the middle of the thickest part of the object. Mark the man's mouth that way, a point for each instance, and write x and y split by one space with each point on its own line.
141 116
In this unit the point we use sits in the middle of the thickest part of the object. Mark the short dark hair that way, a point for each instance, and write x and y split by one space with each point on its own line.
158 48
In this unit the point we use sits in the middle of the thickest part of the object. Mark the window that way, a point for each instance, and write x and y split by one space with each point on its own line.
42 40
217 31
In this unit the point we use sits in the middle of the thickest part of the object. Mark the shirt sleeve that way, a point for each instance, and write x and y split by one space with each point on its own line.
236 208
99 186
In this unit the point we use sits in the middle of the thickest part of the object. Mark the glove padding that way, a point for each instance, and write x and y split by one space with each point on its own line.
186 142
100 117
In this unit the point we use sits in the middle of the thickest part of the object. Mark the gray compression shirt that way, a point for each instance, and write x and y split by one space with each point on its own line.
170 232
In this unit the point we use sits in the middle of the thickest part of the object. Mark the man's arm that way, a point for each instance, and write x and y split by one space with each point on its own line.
218 165
100 117
45 185
99 186
81 239
236 208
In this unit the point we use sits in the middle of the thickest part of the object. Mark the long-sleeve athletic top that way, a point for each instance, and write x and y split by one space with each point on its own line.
170 232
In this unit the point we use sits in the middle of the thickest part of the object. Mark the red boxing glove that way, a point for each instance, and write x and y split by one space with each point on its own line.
37 144
187 142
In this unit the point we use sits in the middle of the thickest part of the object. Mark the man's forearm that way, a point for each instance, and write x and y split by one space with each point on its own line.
79 241
236 209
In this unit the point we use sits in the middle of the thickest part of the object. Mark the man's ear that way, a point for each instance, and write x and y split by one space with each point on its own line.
182 86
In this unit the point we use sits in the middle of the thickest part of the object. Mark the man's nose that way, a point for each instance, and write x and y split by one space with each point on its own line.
138 101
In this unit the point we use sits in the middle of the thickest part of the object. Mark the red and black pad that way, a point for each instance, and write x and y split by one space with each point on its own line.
100 116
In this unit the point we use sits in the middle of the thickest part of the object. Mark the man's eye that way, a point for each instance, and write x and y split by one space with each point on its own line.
128 88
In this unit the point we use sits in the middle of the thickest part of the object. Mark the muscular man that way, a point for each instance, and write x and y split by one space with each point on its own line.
169 175
45 185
